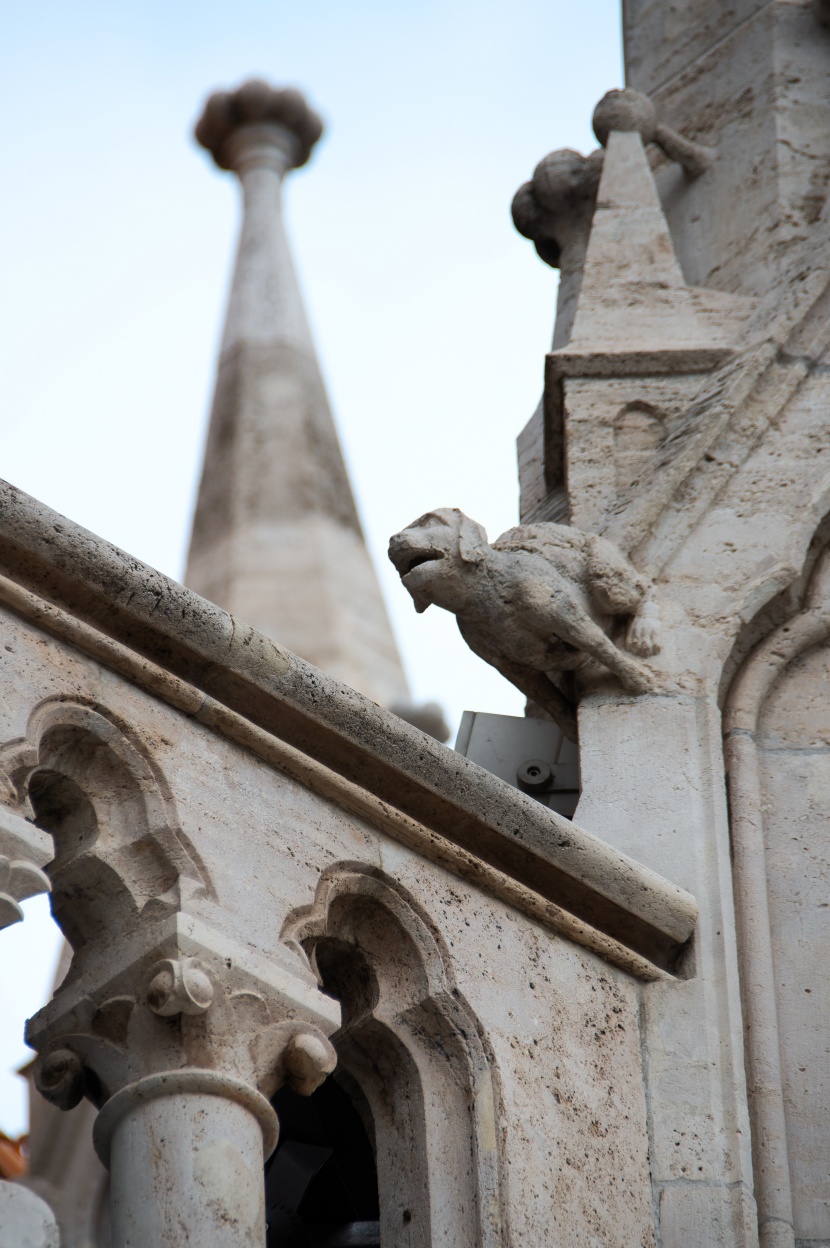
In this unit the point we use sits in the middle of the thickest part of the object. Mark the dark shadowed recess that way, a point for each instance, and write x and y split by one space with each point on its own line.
321 1187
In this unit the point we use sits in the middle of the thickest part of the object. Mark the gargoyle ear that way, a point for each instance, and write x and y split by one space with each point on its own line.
472 540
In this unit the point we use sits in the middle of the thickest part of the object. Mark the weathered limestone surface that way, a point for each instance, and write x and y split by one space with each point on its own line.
230 670
652 770
536 604
793 742
775 725
615 1037
685 419
748 79
26 1221
556 1067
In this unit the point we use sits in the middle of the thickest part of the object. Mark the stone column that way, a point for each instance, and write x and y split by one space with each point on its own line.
181 1045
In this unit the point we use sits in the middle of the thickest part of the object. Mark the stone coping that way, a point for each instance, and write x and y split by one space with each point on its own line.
370 748
571 362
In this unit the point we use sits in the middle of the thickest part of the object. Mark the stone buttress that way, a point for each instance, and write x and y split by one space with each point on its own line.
685 420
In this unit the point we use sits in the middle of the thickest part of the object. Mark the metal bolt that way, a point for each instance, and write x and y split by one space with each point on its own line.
534 775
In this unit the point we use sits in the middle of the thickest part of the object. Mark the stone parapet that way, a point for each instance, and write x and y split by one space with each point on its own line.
254 678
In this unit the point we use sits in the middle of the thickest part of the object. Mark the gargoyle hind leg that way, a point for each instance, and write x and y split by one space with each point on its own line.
532 683
541 690
577 628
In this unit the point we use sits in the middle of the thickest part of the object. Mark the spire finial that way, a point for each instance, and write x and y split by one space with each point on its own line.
626 110
275 112
276 537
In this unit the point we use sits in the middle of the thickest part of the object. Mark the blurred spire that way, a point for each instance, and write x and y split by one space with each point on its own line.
276 539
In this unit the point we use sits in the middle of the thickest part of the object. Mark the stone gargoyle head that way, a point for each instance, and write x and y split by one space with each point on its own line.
430 556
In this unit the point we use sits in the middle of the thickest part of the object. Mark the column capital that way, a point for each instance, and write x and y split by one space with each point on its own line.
181 999
258 122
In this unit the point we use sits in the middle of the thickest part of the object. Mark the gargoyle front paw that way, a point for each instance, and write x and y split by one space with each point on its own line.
643 635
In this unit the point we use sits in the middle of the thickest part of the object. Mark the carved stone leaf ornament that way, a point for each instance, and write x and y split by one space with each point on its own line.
18 881
536 604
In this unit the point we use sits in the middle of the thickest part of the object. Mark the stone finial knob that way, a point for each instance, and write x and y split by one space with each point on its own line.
624 110
59 1077
628 110
563 186
256 102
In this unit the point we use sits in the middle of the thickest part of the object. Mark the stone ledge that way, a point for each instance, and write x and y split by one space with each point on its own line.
569 363
371 748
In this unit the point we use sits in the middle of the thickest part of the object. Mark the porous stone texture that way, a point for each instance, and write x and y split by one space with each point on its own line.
211 666
685 419
526 1045
748 79
210 1182
609 1031
26 1221
795 783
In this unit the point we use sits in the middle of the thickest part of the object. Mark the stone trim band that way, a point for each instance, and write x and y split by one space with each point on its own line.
183 1083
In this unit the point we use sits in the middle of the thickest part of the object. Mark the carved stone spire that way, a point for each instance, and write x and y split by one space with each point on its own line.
633 296
276 539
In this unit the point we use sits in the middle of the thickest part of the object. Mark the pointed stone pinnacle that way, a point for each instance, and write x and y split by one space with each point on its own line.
633 297
276 537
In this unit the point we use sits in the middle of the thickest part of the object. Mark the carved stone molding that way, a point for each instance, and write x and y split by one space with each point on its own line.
119 853
24 850
154 989
407 1028
181 1037
181 994
753 684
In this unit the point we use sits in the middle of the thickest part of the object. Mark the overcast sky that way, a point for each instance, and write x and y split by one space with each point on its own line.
432 316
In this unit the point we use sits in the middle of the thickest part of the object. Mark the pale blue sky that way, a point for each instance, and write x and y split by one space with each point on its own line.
432 316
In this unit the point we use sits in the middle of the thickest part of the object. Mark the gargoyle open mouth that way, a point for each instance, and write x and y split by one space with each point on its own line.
408 563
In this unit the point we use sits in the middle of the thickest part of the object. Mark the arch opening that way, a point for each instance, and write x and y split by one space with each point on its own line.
413 1049
321 1186
119 852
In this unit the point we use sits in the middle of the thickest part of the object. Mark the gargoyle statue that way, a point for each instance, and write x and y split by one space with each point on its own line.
533 604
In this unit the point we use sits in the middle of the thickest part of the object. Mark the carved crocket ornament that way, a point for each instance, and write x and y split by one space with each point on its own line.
537 603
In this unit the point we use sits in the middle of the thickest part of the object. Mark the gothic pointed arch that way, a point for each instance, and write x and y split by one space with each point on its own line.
418 1054
639 429
90 782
